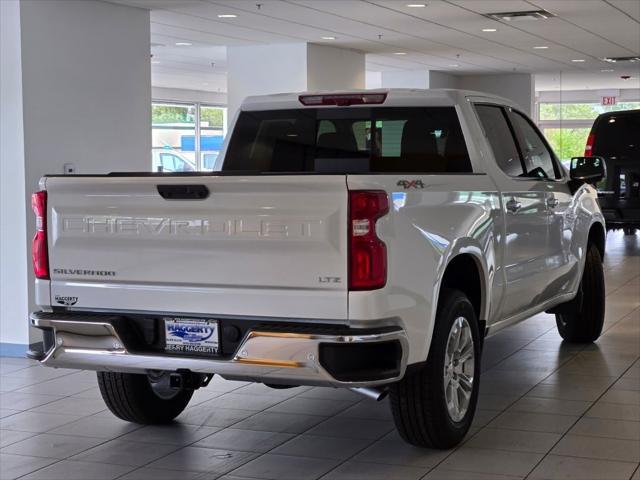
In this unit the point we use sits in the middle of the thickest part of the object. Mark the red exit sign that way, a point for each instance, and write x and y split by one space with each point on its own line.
609 100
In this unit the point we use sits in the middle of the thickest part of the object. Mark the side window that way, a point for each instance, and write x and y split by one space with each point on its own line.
538 161
494 123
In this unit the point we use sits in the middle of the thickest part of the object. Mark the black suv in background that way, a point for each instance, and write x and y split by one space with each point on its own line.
616 137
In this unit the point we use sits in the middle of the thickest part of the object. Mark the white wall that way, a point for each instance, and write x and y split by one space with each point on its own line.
266 69
372 79
442 80
330 68
87 87
13 250
405 79
86 90
183 95
263 69
517 87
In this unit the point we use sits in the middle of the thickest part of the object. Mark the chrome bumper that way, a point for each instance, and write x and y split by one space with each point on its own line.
263 356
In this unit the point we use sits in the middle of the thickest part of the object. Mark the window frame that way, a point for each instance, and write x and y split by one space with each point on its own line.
507 120
199 161
507 111
520 139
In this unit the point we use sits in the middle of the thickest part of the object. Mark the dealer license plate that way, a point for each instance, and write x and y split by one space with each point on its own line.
191 335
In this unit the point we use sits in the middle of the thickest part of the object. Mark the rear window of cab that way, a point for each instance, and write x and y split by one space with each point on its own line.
349 140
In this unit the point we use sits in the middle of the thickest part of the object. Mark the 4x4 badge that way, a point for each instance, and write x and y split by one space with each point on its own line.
407 184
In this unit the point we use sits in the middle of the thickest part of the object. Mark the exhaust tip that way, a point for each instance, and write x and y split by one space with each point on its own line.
377 394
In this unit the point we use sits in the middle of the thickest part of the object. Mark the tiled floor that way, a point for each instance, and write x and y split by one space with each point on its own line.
547 410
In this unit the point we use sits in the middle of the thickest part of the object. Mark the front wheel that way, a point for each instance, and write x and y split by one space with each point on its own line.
144 399
584 324
433 405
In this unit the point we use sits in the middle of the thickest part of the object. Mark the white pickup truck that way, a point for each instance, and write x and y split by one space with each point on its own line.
356 240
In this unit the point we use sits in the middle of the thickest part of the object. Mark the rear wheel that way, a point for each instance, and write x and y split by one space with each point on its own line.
584 324
433 405
145 399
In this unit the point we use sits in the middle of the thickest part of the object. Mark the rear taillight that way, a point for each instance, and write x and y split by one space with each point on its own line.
588 149
368 254
39 246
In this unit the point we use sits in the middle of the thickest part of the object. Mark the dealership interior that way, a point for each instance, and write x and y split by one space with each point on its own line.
98 86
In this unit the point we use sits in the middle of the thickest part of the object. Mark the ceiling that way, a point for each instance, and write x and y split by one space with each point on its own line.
444 35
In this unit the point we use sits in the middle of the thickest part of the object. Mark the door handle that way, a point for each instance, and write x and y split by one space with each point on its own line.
552 202
513 205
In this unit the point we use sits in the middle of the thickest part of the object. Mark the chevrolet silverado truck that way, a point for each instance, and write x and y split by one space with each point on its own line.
355 240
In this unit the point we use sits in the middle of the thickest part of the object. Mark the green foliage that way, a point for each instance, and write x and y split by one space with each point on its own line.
171 114
567 142
211 116
168 114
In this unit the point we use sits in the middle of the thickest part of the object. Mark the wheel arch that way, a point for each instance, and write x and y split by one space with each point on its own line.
466 272
597 236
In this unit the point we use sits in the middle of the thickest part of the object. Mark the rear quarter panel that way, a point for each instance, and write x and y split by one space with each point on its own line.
424 230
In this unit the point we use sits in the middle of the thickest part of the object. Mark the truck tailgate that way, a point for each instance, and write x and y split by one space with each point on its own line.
268 246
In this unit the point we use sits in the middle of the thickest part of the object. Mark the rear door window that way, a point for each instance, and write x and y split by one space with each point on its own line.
349 140
496 128
537 156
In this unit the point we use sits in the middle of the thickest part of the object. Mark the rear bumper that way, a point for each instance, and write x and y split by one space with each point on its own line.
354 357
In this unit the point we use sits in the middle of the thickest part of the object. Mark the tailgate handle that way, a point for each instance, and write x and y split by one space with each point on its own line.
183 192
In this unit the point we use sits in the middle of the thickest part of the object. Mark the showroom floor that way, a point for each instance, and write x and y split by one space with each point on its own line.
547 410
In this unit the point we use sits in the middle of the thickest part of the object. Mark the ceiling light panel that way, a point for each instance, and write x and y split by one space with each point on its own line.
522 16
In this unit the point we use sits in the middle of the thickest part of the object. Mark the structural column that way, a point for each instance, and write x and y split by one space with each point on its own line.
297 67
83 100
517 87
13 249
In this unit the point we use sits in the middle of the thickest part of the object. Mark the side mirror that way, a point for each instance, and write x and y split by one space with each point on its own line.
587 169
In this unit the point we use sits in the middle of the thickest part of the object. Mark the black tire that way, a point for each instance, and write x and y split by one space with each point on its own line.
130 397
585 324
418 401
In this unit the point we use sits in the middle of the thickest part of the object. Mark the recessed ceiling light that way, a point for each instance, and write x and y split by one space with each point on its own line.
520 16
183 44
621 59
540 47
228 15
328 38
489 29
399 53
578 60
416 5
453 65
606 70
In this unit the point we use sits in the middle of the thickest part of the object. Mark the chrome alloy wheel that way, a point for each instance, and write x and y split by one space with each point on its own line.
459 367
